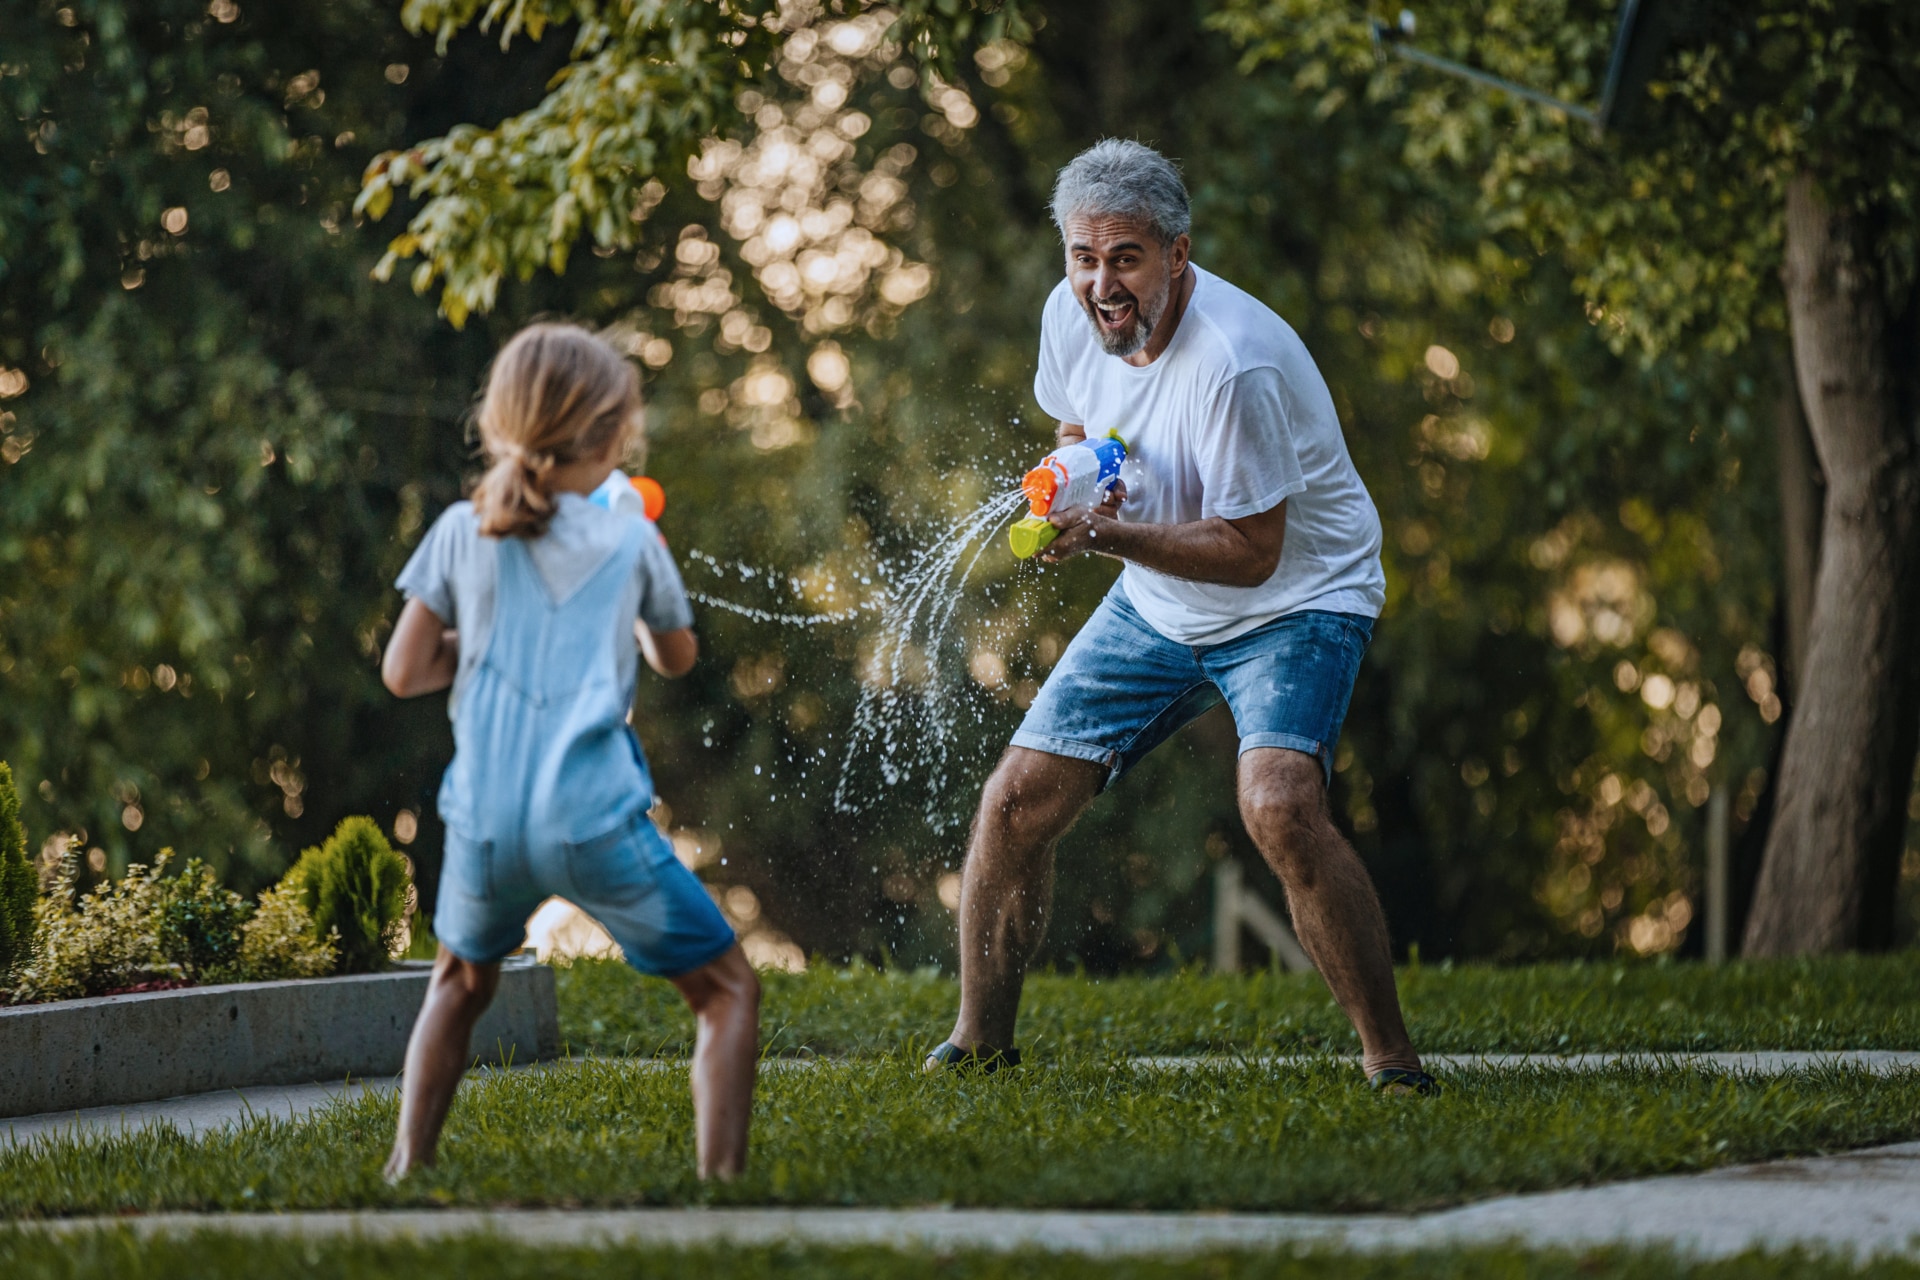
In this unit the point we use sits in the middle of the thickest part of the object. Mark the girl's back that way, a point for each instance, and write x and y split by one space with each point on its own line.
547 667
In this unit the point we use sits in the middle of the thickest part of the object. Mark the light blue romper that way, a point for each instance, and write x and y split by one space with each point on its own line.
548 791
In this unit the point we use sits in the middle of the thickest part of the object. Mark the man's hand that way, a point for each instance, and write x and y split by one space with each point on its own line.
1081 528
1230 553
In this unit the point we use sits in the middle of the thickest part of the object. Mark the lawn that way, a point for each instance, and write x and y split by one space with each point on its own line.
119 1256
1847 1002
1080 1132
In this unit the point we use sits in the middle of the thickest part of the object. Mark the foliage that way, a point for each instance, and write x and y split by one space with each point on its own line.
199 926
152 927
19 883
645 87
1841 1003
91 943
1674 219
358 891
1088 1131
279 940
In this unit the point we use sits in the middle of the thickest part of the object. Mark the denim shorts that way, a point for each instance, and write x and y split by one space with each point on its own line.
627 879
1121 688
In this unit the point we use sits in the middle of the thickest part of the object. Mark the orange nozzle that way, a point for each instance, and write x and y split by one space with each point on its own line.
653 498
1040 486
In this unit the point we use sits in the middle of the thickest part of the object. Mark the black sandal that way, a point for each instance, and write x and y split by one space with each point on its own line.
954 1058
1401 1081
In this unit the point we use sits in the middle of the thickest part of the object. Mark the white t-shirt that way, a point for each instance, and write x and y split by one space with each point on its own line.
1231 419
455 572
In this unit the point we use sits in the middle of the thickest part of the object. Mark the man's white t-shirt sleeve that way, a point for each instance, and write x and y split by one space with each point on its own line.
1050 377
1245 454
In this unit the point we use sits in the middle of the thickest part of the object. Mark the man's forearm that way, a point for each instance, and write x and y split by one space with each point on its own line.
1210 551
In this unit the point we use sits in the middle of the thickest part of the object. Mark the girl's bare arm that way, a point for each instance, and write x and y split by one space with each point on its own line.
671 653
423 654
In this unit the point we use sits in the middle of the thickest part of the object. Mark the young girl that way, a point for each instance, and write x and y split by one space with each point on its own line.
529 601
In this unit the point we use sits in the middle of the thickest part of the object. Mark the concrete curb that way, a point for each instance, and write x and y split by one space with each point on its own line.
111 1050
1864 1204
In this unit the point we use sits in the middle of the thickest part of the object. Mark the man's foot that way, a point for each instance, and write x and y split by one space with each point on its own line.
1400 1081
951 1057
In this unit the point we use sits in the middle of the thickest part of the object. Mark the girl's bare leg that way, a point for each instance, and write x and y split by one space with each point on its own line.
437 1055
725 998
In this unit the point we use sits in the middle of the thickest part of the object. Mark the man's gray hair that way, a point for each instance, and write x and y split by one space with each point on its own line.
1118 176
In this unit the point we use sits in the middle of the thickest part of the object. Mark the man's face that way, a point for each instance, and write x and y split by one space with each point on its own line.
1123 277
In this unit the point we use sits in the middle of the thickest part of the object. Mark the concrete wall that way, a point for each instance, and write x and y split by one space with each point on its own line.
136 1048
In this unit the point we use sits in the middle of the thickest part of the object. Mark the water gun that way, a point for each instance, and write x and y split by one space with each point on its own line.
1079 475
621 491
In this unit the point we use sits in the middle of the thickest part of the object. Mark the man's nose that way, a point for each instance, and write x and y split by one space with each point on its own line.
1104 278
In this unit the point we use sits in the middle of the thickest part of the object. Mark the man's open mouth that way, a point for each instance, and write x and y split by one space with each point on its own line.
1114 316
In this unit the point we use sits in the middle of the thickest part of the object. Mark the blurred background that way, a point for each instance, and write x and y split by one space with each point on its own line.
222 438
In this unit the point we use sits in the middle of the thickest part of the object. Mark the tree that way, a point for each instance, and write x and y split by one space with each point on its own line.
19 886
1768 182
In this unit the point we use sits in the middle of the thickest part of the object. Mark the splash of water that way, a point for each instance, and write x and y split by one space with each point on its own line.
905 723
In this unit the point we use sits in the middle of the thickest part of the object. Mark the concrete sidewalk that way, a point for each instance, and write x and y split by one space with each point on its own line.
202 1112
1864 1203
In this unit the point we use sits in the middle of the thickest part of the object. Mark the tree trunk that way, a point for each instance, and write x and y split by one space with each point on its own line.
1832 861
1801 498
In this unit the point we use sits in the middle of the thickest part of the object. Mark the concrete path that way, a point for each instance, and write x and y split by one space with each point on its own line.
1863 1203
201 1112
194 1114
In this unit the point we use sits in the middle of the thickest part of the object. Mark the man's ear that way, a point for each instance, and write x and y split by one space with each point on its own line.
1179 254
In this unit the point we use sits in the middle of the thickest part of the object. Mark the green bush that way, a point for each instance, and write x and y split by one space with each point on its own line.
150 927
356 887
198 925
280 941
89 944
19 886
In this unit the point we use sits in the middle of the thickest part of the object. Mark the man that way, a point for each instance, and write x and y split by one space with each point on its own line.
1252 575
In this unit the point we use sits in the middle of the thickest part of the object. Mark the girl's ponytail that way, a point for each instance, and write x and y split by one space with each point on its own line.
556 394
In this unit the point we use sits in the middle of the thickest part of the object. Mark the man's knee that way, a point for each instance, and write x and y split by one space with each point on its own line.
1285 807
1029 802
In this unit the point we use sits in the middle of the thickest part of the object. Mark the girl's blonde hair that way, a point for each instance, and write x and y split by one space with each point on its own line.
556 394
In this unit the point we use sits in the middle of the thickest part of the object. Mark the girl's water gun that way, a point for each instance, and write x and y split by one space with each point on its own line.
623 492
1079 475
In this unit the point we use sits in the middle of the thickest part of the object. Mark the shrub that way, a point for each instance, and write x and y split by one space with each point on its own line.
357 887
197 924
97 942
280 941
19 884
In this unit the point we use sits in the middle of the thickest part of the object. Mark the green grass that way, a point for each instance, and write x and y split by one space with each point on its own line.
1847 1002
1084 1132
118 1255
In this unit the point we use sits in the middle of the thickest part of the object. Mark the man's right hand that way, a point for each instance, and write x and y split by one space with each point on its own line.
1081 528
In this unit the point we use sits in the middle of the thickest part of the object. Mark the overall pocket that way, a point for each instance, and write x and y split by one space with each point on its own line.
467 869
613 868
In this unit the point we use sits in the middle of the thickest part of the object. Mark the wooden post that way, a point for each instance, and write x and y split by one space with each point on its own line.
1719 880
1234 908
1226 917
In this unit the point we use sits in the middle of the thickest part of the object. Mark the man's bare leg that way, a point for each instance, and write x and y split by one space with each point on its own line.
437 1055
1283 801
724 995
1006 887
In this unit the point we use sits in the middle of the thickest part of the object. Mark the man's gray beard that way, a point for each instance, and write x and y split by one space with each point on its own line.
1129 340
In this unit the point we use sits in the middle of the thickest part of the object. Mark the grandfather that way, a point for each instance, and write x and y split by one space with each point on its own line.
1252 575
